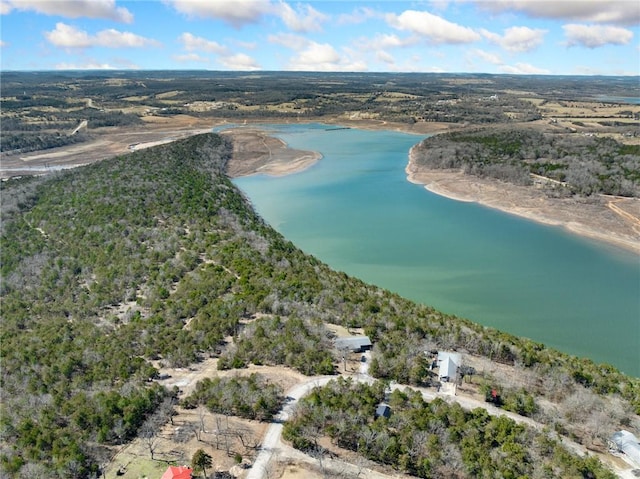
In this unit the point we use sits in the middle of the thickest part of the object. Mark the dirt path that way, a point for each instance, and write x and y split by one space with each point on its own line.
272 446
274 449
631 218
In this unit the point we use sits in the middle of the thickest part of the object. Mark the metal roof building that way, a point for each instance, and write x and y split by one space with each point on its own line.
448 364
177 472
355 344
627 443
383 410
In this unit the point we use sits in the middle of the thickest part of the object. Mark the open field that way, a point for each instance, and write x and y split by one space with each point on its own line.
594 118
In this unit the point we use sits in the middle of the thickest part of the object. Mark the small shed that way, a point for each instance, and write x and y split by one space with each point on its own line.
448 364
383 410
354 344
177 472
627 443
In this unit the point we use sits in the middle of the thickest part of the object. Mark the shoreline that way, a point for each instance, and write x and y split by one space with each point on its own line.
256 152
595 220
600 219
613 221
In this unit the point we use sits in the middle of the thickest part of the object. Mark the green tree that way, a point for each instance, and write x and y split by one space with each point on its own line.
201 460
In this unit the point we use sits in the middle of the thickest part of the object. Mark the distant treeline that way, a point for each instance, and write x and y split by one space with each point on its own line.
583 164
38 129
24 142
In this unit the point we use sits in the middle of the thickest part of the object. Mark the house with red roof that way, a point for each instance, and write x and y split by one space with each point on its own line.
177 472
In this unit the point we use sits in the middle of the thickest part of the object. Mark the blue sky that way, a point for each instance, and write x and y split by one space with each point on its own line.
559 37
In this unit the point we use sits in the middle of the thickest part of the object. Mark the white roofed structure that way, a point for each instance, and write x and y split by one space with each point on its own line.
627 443
448 364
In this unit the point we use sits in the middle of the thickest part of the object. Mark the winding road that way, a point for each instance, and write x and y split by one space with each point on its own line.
272 445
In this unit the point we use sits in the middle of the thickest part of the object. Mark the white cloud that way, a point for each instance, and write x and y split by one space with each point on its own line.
593 36
359 15
235 12
385 57
289 40
435 29
381 43
190 57
247 45
624 12
318 53
92 64
239 61
323 57
243 12
231 61
487 57
386 40
67 36
3 44
84 66
439 4
116 39
192 43
523 69
306 19
517 39
71 8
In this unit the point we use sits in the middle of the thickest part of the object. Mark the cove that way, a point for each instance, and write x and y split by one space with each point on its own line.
356 211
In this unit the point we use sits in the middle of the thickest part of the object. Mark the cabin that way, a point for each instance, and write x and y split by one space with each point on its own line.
628 444
383 410
177 472
448 364
354 344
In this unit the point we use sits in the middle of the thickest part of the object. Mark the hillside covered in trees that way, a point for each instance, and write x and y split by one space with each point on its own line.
156 255
576 164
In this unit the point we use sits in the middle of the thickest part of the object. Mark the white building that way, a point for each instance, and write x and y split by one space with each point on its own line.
628 444
448 364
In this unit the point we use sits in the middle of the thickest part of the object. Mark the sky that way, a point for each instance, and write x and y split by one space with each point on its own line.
558 37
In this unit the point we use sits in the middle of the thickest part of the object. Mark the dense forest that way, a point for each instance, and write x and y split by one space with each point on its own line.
577 164
155 255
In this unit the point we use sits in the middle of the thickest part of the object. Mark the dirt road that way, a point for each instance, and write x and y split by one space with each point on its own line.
272 447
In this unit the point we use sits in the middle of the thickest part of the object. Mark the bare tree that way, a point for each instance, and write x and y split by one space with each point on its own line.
149 434
197 432
246 437
202 413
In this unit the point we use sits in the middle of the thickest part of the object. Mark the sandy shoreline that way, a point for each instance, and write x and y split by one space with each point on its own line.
255 152
613 220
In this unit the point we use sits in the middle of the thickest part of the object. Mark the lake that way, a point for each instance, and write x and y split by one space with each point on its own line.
356 211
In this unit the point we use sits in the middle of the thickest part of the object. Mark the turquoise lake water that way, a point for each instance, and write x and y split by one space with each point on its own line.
356 211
